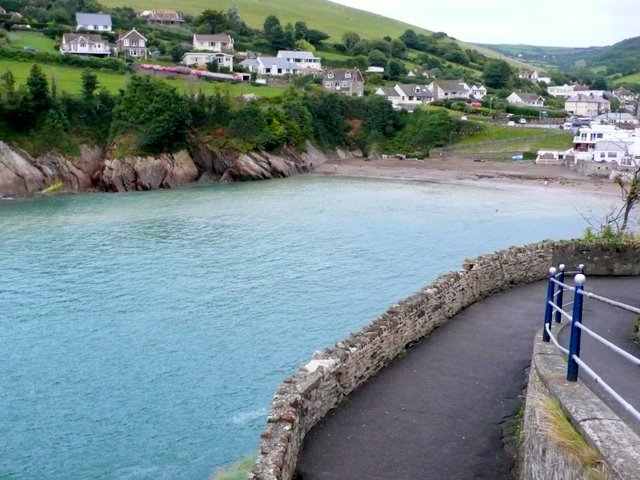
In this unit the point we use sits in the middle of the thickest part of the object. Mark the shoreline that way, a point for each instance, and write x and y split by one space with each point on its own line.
464 171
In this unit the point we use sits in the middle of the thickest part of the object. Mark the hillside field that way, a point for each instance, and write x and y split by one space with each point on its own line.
68 79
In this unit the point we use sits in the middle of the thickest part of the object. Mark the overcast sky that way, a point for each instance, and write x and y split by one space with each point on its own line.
562 23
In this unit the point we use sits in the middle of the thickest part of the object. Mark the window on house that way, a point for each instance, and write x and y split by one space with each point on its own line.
346 84
347 75
330 75
327 84
612 154
602 155
600 135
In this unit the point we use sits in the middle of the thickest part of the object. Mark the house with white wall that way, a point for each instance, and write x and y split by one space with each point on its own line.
526 99
90 44
586 105
407 96
561 90
272 66
93 22
131 44
220 42
202 59
478 92
305 60
450 90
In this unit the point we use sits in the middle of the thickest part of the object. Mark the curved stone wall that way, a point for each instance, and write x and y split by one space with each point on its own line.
303 399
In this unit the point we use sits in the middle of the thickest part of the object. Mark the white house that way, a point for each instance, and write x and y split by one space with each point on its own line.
561 91
84 44
221 42
271 66
132 44
478 92
585 141
407 96
450 89
202 59
526 99
617 118
93 22
619 152
586 105
305 60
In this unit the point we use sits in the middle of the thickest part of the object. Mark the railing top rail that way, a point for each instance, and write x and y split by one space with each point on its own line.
616 396
608 301
569 288
612 346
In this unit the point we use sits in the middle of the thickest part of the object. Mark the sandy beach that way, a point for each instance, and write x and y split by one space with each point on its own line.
460 170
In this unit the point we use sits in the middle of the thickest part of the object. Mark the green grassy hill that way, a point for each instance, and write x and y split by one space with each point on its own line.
329 17
323 15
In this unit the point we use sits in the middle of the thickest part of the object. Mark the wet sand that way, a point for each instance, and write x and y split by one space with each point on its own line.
460 170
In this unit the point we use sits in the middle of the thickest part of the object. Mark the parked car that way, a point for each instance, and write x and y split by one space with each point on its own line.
511 123
522 121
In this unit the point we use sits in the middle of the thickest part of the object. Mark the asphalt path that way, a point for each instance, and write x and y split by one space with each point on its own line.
442 410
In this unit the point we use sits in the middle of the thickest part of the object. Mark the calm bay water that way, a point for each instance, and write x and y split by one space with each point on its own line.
142 335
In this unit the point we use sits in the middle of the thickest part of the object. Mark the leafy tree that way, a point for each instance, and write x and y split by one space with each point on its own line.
497 74
250 125
235 22
298 121
275 33
395 69
155 112
289 35
398 49
301 30
316 37
377 59
89 84
350 39
328 111
411 40
211 21
38 88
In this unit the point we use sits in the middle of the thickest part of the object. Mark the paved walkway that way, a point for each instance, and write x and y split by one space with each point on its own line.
439 412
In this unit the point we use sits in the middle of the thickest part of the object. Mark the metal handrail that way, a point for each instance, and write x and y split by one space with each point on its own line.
616 396
556 278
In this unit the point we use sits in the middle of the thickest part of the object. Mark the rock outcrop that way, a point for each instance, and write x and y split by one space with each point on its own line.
147 173
20 174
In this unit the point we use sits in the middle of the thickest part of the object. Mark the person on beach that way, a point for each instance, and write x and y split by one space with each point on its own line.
546 182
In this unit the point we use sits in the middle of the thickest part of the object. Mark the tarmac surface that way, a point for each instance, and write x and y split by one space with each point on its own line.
446 409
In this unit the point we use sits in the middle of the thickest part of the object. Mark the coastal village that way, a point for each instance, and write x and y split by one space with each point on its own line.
602 136
161 334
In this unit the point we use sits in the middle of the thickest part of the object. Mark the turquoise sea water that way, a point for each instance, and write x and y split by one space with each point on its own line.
142 335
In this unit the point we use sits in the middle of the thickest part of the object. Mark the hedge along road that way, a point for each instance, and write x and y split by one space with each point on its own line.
445 409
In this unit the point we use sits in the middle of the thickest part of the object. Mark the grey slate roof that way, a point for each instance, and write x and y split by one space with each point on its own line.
586 99
340 75
414 90
528 97
295 54
218 37
93 19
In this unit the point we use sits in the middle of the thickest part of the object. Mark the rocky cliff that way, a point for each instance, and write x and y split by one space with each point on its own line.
21 174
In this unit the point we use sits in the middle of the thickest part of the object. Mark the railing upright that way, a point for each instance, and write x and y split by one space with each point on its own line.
548 311
574 342
560 292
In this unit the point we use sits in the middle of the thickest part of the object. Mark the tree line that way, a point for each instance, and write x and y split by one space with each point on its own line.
150 116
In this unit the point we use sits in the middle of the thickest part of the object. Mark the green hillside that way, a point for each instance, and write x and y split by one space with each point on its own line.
329 17
323 15
619 60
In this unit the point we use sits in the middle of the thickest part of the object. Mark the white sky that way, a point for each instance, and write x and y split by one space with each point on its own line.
561 23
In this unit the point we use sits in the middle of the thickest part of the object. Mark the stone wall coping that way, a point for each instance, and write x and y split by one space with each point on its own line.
599 425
